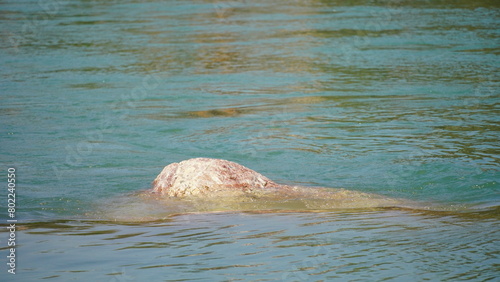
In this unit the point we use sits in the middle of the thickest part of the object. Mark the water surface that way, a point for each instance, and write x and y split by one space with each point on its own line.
396 98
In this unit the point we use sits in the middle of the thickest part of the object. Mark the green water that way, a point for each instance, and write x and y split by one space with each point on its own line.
396 98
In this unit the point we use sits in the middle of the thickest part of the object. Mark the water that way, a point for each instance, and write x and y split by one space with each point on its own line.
350 245
395 98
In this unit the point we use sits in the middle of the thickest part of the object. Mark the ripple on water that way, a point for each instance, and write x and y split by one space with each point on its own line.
344 244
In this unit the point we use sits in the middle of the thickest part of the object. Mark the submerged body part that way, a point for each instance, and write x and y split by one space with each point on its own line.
216 184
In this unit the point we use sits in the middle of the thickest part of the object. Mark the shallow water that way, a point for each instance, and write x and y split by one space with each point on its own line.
396 98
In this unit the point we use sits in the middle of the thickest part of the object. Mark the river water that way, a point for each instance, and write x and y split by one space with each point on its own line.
396 98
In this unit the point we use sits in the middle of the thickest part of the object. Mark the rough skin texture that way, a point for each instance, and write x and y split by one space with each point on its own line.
204 176
215 184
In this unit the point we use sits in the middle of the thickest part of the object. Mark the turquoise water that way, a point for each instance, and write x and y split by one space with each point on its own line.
397 98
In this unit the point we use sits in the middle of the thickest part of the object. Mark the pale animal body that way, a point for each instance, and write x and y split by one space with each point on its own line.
227 182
